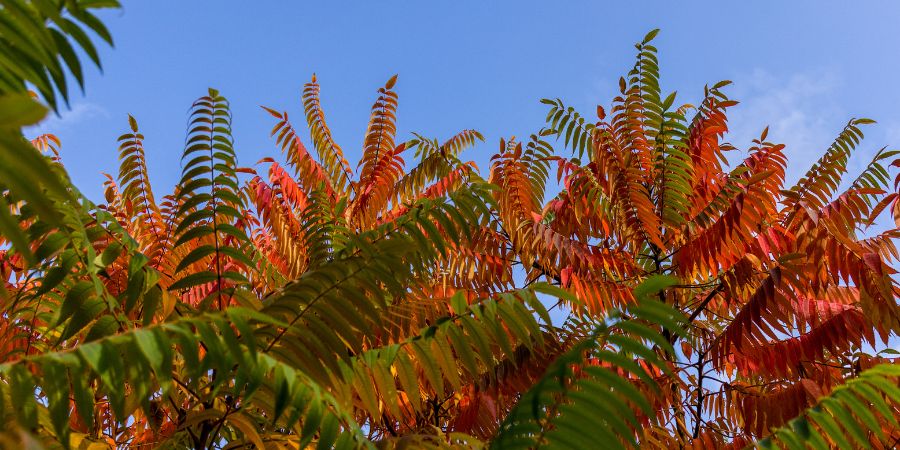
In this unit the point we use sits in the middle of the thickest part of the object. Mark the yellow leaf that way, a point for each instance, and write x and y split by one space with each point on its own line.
246 426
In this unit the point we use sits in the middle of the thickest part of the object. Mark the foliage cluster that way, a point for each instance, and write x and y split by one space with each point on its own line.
309 303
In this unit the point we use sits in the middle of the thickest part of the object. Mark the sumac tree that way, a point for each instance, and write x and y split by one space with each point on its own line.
306 302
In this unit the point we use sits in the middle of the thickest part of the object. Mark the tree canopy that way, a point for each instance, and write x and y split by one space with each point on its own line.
404 302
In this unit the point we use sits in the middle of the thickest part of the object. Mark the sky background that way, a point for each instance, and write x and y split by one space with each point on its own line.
804 68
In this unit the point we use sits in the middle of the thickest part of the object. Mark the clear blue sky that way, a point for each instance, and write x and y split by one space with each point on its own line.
803 67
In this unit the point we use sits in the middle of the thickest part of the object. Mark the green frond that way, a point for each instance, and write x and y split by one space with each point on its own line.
436 441
211 209
595 394
854 415
325 230
673 163
566 123
537 157
462 348
875 178
815 188
286 396
437 163
332 308
40 42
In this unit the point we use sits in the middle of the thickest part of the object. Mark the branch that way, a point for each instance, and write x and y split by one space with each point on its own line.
705 302
699 410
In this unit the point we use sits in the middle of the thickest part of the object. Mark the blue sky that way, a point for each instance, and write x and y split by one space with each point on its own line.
804 68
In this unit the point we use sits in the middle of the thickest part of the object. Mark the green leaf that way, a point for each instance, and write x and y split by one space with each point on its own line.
75 299
653 285
22 395
110 254
55 383
555 291
107 363
103 327
83 394
19 110
192 280
458 303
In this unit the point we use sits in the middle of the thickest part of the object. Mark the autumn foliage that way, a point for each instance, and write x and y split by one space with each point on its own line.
404 301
